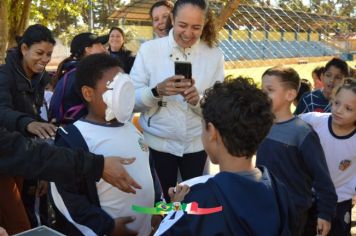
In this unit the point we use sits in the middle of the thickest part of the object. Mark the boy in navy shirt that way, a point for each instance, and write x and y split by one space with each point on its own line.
319 100
292 151
236 117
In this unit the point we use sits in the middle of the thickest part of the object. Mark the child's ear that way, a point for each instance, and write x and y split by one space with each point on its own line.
291 95
87 93
87 51
212 132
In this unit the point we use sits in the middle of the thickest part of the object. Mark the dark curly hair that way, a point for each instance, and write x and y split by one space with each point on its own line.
241 113
91 68
209 34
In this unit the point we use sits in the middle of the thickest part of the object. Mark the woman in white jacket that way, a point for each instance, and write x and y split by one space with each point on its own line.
169 104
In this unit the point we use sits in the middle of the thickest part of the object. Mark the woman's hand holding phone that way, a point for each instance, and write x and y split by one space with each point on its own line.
191 94
179 85
174 85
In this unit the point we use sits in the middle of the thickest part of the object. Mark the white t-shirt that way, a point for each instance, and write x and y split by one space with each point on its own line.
124 141
340 154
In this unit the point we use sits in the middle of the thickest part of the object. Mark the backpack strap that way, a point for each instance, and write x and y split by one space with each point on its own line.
73 111
226 212
65 79
72 137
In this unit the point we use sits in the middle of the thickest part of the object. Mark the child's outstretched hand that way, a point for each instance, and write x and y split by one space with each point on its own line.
323 227
178 193
120 227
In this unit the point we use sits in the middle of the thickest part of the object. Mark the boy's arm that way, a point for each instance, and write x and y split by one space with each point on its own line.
313 155
24 157
76 207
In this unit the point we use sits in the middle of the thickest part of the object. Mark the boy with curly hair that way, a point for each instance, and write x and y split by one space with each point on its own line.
236 118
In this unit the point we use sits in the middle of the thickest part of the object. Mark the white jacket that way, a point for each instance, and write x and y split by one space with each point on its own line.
175 128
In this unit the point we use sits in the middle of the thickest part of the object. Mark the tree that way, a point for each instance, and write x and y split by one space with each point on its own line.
13 22
227 10
3 29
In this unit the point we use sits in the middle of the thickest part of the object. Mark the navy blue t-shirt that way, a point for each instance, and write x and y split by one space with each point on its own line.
313 101
293 153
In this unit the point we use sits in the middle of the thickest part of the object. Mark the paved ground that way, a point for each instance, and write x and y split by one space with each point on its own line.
214 169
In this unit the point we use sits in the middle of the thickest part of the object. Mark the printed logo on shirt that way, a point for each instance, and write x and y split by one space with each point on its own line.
319 110
344 164
143 145
163 208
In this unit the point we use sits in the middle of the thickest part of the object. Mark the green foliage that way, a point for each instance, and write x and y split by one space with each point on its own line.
47 12
66 17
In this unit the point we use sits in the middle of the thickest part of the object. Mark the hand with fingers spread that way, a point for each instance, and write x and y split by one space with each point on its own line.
173 85
41 129
121 229
114 173
323 227
178 193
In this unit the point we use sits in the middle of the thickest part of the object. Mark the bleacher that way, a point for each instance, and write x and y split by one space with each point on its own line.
235 50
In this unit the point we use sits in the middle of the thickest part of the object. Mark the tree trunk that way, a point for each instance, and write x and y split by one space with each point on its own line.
3 30
226 12
19 17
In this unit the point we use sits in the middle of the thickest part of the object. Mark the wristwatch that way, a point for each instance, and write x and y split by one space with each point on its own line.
155 92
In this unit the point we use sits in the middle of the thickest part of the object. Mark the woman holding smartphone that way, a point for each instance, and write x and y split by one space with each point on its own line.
169 103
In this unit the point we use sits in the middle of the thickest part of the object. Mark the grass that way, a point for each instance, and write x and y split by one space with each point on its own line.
304 70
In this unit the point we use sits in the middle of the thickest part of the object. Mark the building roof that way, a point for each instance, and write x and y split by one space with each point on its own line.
136 10
246 15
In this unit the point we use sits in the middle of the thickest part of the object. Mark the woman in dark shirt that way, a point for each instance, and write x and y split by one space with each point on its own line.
117 48
22 82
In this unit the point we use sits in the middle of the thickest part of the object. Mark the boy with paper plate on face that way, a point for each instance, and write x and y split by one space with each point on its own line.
91 208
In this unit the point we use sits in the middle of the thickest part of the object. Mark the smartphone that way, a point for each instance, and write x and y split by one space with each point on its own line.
183 68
